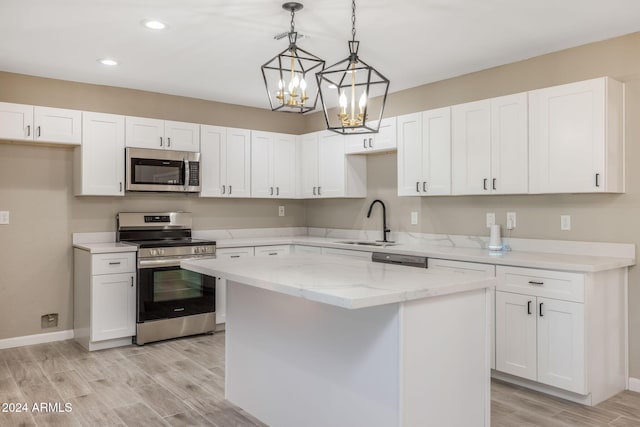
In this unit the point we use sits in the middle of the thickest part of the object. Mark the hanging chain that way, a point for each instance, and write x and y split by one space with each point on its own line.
293 25
353 19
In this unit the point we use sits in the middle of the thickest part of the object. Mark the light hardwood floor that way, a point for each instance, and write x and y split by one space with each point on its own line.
181 382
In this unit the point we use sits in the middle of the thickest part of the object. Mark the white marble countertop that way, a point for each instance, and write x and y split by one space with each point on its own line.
516 258
347 283
102 248
547 260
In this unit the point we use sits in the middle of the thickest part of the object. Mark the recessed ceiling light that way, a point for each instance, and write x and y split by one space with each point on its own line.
152 24
107 61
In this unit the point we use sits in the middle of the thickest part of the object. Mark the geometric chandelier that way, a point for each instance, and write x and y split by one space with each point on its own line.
289 78
353 94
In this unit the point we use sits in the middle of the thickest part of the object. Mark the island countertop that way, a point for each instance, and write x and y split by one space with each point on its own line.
346 283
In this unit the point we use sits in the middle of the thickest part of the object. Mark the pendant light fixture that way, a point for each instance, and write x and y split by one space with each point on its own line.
288 77
347 89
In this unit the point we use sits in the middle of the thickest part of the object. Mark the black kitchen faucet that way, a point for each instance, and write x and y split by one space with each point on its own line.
385 230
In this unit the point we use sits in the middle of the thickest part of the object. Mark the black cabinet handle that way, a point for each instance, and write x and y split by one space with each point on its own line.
271 192
364 142
493 185
424 186
223 189
541 315
168 142
370 145
417 186
160 141
115 263
531 282
28 130
132 281
277 191
597 180
529 307
484 183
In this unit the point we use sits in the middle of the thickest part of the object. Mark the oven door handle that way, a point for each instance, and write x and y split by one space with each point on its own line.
168 262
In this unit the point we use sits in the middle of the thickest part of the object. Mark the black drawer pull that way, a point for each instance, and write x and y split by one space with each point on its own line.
115 263
541 315
529 307
532 282
235 256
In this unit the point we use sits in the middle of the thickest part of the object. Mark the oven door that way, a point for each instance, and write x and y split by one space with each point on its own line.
170 291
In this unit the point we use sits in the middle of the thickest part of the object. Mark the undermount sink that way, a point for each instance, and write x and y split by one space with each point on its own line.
368 243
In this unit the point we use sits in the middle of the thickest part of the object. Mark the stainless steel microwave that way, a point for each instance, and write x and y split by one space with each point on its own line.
162 170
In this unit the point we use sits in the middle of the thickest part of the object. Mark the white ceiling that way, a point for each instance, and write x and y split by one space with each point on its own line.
213 49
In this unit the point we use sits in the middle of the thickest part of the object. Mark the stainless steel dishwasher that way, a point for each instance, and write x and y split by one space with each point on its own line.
406 260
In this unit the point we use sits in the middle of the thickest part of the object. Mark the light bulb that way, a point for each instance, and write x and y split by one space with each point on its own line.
303 84
363 101
295 80
280 84
343 100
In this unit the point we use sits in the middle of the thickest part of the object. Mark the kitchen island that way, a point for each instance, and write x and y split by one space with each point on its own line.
318 341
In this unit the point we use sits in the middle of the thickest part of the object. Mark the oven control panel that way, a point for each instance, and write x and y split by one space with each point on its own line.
205 250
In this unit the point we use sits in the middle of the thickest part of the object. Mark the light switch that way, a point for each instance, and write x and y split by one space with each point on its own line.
4 217
280 210
511 220
491 219
565 222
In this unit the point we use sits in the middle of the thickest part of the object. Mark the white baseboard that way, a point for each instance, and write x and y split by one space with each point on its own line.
634 384
36 339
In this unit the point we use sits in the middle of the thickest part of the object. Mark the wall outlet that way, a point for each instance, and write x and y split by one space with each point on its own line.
280 210
49 320
511 220
4 217
414 218
565 222
491 219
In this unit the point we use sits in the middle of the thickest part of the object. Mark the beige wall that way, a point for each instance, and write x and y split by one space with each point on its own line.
36 187
35 182
594 217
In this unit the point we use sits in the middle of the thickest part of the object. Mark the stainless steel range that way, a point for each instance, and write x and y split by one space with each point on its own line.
171 302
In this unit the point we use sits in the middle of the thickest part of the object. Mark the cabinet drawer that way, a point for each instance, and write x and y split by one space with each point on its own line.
346 253
122 262
272 250
462 267
303 249
542 283
234 253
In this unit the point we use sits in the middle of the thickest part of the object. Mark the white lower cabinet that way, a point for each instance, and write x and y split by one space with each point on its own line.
221 284
486 270
562 329
304 249
104 299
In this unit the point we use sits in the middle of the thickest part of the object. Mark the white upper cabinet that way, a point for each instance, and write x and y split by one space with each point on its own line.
99 161
225 162
273 165
144 132
325 169
384 140
44 124
489 146
424 153
576 138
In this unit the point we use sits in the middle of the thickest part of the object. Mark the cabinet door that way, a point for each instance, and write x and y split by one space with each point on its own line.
567 137
182 136
16 121
113 311
304 249
356 144
471 148
509 145
410 154
143 132
212 160
100 171
57 125
284 165
309 165
561 346
386 138
331 165
238 161
262 167
346 253
436 152
516 334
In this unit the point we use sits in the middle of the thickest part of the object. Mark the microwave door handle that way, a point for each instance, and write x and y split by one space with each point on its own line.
186 173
